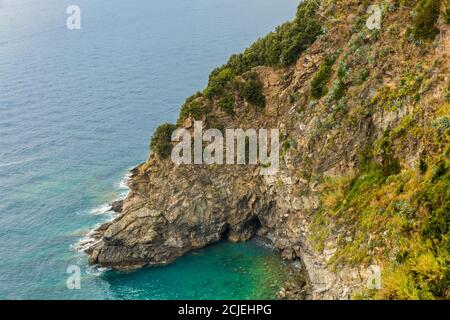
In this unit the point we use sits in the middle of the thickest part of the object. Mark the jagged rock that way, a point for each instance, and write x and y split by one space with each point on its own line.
172 210
117 206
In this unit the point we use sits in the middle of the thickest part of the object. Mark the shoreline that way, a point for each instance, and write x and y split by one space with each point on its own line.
111 209
297 289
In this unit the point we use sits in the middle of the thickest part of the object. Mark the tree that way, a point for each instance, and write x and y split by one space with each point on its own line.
160 142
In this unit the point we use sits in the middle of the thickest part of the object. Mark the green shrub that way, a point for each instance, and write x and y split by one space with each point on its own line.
342 70
218 81
302 33
194 106
438 171
426 15
442 125
407 91
251 91
160 142
287 144
437 225
227 104
321 78
423 166
280 47
435 199
337 91
364 74
390 164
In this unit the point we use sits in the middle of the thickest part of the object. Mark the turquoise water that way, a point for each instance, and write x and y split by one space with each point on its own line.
76 111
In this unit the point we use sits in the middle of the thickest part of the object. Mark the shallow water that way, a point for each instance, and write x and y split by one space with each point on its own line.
76 112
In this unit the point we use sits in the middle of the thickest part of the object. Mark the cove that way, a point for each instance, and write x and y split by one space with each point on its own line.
221 271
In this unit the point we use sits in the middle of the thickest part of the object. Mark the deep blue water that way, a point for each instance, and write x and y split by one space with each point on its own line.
76 111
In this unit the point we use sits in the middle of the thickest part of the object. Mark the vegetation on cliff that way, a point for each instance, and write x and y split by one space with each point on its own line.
426 15
161 140
397 218
387 212
447 11
320 80
279 48
251 91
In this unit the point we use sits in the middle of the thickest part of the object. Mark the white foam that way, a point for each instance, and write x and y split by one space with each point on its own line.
79 232
123 191
264 243
102 209
88 241
96 270
85 243
123 185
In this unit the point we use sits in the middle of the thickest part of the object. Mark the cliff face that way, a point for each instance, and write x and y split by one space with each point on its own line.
172 210
364 120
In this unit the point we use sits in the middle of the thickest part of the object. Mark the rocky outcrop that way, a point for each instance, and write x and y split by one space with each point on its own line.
172 210
117 206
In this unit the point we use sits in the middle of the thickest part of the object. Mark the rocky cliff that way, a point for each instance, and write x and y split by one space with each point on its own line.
363 181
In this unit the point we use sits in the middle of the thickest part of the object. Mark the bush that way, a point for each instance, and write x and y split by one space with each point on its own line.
337 91
342 70
438 171
426 15
364 74
160 142
321 78
251 91
442 125
195 107
279 48
390 165
423 166
218 80
227 104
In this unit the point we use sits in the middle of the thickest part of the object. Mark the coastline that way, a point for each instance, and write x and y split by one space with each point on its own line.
297 287
111 209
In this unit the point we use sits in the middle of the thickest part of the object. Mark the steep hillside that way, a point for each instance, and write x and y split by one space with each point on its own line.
364 180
